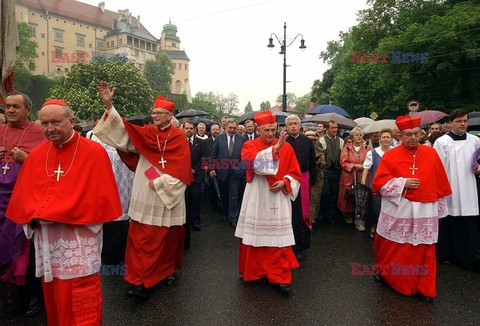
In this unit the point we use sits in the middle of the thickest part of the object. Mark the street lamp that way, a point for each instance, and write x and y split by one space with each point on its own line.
283 50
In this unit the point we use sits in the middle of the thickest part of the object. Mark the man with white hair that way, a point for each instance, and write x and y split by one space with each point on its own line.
201 131
305 153
265 227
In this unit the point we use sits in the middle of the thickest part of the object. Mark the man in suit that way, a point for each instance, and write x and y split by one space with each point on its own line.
226 164
193 192
250 133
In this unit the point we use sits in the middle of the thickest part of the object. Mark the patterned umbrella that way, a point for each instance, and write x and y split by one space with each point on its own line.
363 120
431 116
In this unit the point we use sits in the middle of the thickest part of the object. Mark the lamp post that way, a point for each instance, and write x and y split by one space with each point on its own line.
283 50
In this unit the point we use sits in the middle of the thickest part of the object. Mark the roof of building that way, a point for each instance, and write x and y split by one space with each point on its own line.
279 108
123 27
79 11
177 54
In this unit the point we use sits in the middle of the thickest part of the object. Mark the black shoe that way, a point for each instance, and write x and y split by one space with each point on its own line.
196 226
428 299
378 279
170 280
299 257
285 289
233 225
138 291
33 307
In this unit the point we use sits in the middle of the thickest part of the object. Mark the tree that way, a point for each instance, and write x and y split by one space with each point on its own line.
158 72
291 99
265 106
133 95
248 108
26 51
302 102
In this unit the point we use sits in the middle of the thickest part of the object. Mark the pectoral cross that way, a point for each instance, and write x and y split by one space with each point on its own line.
274 208
162 162
5 168
58 172
413 168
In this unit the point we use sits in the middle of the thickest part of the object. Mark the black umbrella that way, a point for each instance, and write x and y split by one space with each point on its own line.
136 120
190 113
246 116
208 123
281 116
215 186
362 192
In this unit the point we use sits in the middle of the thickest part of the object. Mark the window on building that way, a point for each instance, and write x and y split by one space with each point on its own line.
178 87
33 30
142 44
43 35
66 69
179 66
31 66
186 67
90 45
174 45
58 53
120 42
154 48
135 42
149 46
82 57
58 70
112 44
129 40
100 44
80 40
58 36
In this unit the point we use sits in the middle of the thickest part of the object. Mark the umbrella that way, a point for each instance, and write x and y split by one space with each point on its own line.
363 121
474 122
474 114
362 193
215 186
342 122
191 113
446 127
326 108
246 116
138 120
208 123
430 116
281 116
379 125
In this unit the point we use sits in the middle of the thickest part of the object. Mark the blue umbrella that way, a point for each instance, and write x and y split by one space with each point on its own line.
327 108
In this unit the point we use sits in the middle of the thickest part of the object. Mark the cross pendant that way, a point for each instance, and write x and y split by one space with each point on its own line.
58 172
162 162
413 168
5 168
274 208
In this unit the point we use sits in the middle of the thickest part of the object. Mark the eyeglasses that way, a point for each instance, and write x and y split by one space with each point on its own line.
410 134
159 112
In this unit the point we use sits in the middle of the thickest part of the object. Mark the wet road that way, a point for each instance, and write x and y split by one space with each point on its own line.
209 290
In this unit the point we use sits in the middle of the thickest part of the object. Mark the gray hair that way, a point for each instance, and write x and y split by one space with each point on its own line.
232 120
27 102
292 117
357 130
201 124
174 122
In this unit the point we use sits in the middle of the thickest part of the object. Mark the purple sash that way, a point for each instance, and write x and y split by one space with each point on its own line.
305 198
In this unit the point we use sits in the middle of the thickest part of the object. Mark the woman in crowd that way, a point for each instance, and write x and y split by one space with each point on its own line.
351 160
370 166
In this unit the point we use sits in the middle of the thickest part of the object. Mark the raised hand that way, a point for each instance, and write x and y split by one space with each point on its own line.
281 139
106 94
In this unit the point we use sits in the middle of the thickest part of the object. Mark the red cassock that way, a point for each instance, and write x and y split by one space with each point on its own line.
434 185
271 262
153 252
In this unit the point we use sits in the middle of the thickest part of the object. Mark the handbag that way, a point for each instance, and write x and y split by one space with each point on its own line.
350 189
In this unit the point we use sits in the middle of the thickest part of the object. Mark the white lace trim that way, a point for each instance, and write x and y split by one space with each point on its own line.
423 230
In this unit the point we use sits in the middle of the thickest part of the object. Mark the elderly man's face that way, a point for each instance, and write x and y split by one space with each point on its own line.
241 129
224 122
15 110
57 127
411 137
214 130
161 117
201 129
293 127
232 128
267 132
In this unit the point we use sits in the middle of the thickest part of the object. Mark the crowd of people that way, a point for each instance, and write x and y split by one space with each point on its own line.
141 200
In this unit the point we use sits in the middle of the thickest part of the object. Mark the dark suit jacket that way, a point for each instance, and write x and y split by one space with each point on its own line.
197 151
255 136
209 142
222 162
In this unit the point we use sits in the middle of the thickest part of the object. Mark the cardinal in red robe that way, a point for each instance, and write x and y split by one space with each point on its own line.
59 197
413 185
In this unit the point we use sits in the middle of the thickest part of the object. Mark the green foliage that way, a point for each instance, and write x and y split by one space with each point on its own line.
446 30
302 102
203 102
265 106
291 99
133 95
248 107
26 51
158 72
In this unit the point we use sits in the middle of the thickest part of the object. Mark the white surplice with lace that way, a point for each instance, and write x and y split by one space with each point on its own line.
405 221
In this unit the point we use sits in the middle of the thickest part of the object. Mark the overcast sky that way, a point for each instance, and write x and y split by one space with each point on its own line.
226 41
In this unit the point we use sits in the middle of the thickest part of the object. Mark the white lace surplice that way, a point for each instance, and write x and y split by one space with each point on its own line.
265 218
405 221
65 251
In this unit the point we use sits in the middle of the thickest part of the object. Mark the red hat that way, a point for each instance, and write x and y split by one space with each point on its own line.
54 101
264 118
407 122
161 103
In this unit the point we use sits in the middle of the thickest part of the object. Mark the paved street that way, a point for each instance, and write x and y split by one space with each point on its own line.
210 292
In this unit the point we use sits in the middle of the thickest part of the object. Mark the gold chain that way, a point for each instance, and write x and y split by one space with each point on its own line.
73 159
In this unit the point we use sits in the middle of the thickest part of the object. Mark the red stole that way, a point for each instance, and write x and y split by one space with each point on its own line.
287 161
397 162
177 150
32 138
86 194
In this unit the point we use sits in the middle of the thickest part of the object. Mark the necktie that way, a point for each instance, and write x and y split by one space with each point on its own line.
191 141
230 145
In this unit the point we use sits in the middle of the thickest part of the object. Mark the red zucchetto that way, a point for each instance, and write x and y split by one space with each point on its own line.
264 118
407 122
162 103
54 101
